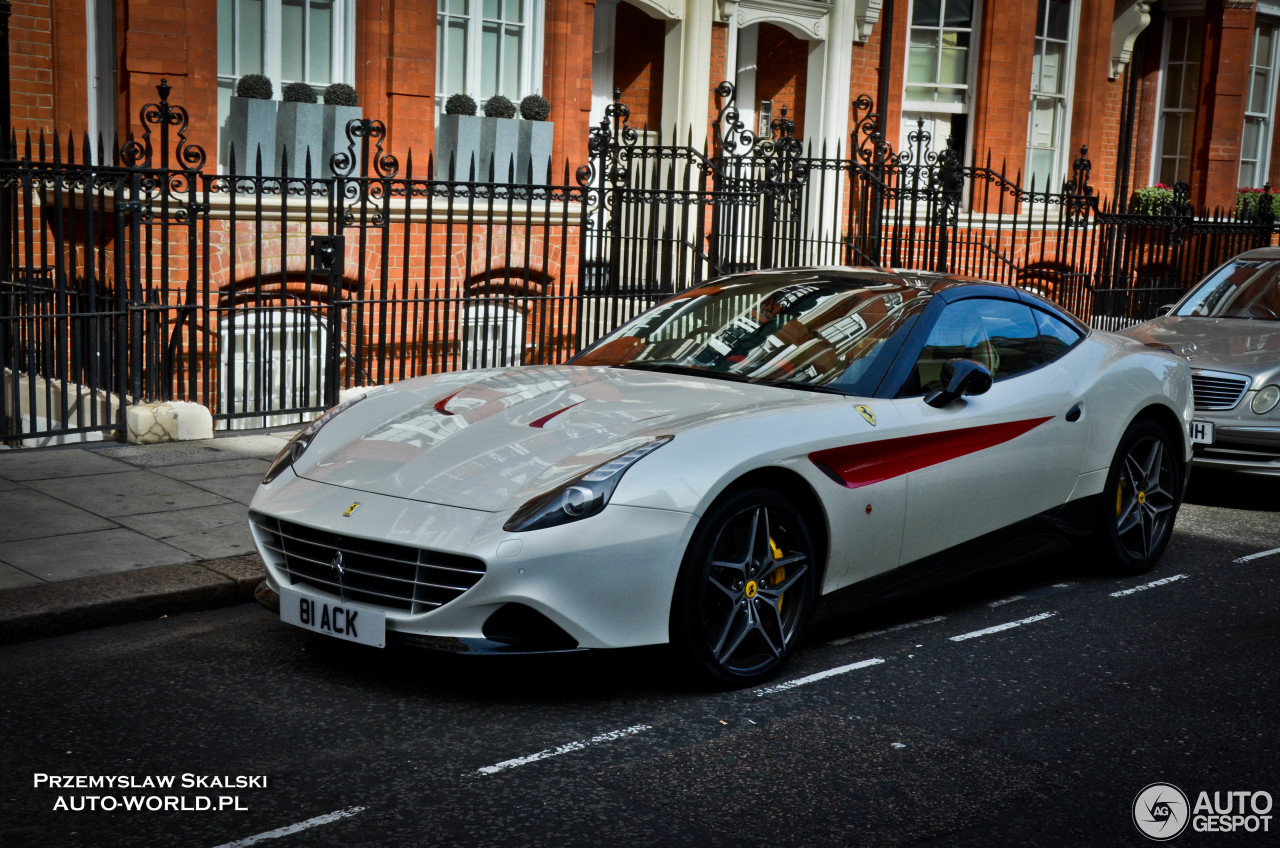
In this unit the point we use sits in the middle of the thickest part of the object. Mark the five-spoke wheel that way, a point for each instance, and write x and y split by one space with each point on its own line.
746 588
1141 498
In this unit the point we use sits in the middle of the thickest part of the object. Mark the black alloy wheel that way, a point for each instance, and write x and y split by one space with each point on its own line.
746 589
1141 499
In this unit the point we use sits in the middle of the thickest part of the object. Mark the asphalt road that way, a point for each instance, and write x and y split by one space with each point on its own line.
920 724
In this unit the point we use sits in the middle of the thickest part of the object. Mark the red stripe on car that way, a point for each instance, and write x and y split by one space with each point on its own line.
862 464
542 422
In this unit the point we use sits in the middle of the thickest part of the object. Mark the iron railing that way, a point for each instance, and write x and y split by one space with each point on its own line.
137 274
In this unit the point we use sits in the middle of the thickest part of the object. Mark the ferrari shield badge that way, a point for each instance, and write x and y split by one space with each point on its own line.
351 509
866 413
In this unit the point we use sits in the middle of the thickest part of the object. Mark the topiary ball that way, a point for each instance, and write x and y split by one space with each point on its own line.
254 87
341 94
298 92
460 104
535 108
499 107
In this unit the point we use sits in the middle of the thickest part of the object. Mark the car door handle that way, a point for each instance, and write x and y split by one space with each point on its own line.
1073 414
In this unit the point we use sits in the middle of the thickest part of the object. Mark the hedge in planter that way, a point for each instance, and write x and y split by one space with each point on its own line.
251 127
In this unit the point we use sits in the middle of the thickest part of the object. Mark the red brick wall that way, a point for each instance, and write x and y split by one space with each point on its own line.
566 77
31 65
783 69
1003 84
637 65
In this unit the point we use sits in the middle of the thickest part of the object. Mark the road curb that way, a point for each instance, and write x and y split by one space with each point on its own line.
55 609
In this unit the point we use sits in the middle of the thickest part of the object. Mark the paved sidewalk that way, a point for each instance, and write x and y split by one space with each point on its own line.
104 533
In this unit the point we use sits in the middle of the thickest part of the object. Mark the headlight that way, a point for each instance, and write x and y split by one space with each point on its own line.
1265 400
582 496
298 445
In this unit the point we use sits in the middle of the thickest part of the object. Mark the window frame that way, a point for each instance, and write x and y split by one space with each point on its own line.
1157 154
1062 154
913 110
529 74
1267 120
342 58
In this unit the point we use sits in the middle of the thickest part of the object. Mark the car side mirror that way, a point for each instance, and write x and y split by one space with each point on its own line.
1165 309
960 377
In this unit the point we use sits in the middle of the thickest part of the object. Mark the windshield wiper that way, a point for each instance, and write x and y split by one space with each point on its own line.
808 387
686 370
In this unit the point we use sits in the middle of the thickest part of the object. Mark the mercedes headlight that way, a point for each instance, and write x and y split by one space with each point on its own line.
581 497
1265 399
298 445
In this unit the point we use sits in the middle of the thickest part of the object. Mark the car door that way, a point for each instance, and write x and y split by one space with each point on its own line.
984 462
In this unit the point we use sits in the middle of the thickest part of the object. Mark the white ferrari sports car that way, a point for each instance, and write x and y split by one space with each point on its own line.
747 455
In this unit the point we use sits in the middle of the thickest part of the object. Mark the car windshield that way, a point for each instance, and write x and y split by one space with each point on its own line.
821 334
1243 288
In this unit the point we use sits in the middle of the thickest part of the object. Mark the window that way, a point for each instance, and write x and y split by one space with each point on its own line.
1184 46
493 336
488 47
309 41
272 359
1256 140
1001 335
940 55
1050 77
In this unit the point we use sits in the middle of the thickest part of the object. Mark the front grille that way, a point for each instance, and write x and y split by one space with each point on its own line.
366 571
1217 390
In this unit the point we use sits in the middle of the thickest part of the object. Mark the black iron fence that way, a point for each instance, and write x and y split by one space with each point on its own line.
134 275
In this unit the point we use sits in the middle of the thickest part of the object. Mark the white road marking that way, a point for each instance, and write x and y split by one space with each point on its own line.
873 633
327 818
1147 586
1258 556
1004 601
814 678
564 749
1006 626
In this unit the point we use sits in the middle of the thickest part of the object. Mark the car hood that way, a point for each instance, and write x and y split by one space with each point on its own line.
1239 345
491 440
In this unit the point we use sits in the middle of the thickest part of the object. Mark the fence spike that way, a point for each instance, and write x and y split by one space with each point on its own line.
431 165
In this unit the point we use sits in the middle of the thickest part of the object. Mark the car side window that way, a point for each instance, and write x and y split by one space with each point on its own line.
1000 334
1056 335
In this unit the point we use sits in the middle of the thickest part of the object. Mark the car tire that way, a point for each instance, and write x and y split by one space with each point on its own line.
745 591
1140 500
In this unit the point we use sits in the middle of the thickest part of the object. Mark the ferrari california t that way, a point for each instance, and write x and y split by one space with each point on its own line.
752 453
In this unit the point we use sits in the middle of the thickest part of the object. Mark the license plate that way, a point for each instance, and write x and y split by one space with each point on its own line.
343 621
1202 432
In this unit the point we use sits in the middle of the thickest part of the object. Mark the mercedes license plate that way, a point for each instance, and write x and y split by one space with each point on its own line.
344 621
1201 432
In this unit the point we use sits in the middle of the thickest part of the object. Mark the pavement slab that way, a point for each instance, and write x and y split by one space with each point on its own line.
12 578
239 489
184 522
257 446
127 493
215 470
55 463
30 515
87 554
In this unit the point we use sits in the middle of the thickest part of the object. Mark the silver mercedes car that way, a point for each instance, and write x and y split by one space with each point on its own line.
1228 328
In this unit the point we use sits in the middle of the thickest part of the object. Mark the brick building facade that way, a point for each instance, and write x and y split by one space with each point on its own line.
1205 70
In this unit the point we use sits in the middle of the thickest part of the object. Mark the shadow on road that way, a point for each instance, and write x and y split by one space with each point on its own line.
1252 492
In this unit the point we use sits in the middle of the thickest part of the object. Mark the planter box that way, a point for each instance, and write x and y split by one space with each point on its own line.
458 146
299 134
499 142
335 140
251 128
533 152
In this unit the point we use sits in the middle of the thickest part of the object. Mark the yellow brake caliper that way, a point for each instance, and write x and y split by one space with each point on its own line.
779 574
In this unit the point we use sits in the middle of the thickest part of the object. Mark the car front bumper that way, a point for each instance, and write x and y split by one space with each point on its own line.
605 581
1251 449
